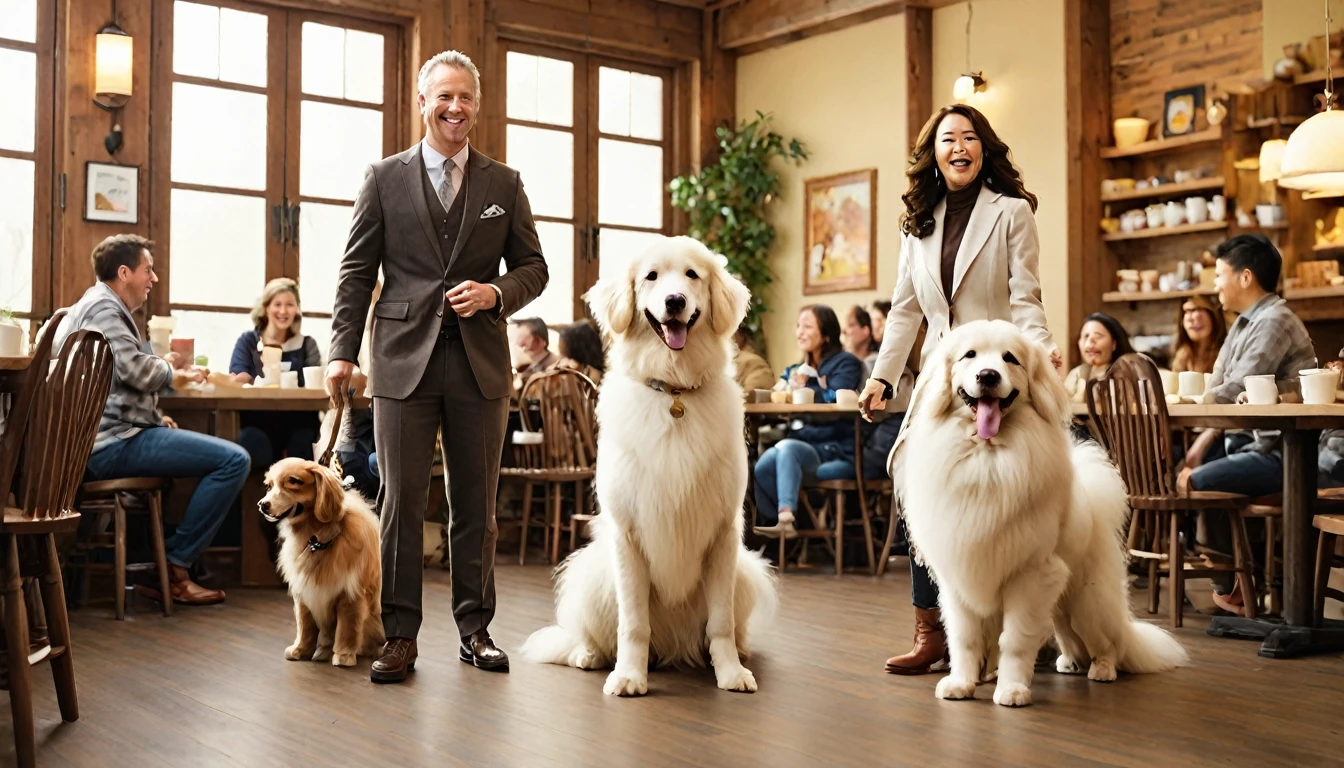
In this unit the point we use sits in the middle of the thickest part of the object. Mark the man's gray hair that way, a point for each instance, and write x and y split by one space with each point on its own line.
454 59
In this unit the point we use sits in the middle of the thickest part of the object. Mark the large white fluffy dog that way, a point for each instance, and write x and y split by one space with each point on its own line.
1020 526
666 570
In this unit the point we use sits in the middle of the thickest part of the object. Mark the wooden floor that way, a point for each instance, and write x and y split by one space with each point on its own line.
210 687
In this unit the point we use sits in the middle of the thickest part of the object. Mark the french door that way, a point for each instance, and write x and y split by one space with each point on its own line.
592 140
270 117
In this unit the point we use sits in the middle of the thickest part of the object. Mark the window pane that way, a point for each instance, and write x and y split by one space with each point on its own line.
335 145
323 230
218 249
242 47
545 161
540 89
219 137
320 329
196 40
629 184
18 20
521 71
16 234
556 303
18 120
324 60
363 66
616 247
646 106
215 333
613 101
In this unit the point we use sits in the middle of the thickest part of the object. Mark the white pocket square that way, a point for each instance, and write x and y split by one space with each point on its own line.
492 212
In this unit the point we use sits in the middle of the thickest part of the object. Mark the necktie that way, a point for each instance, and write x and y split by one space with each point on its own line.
445 189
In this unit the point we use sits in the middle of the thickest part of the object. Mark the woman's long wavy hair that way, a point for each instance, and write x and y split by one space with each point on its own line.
927 185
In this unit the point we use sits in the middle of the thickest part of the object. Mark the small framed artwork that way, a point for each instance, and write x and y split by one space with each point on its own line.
1179 109
112 193
840 233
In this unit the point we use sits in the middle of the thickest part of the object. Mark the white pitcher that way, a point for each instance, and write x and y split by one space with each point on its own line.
1174 214
1218 208
1197 210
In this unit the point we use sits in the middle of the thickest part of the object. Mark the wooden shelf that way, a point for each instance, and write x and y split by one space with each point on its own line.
1328 248
1270 122
1163 190
1116 297
1183 229
1326 292
1212 135
1310 78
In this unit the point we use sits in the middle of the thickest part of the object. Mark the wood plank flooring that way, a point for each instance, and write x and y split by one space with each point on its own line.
210 687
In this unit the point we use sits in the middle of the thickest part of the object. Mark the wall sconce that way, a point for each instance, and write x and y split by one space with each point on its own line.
968 85
113 74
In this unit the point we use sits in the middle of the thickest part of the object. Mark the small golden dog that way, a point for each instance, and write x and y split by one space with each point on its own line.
330 558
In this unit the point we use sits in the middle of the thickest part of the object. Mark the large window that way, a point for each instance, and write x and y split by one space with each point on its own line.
272 116
27 32
591 138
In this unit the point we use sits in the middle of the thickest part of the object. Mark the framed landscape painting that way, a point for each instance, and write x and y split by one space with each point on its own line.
840 233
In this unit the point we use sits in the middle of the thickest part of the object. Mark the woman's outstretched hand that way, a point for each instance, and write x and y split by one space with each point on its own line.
870 399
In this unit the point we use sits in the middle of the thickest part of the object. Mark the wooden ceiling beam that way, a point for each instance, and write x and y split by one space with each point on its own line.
761 24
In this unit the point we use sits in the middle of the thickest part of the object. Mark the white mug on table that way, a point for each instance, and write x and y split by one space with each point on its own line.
1319 385
312 377
803 396
1260 390
1191 383
289 380
847 398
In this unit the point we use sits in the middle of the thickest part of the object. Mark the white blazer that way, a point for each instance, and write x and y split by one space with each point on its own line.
994 279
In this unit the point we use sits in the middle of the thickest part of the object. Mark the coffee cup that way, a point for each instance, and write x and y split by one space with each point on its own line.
1191 383
1260 390
847 398
312 377
803 396
289 380
1197 210
1155 215
1218 208
1319 385
1268 215
1208 381
1170 382
1174 214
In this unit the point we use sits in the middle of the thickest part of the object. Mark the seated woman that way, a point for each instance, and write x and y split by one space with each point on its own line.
878 314
1200 331
271 435
781 470
750 370
580 348
1101 342
859 340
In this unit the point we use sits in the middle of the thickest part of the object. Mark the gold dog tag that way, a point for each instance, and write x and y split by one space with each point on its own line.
677 409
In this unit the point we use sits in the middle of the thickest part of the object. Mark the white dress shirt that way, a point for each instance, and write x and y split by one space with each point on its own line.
434 167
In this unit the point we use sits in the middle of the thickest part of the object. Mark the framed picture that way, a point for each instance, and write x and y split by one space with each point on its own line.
840 233
112 193
1179 109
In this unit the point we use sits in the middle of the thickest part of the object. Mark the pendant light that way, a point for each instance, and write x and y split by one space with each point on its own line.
972 82
1314 157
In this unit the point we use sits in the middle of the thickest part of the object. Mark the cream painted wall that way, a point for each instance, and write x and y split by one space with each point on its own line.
1019 46
843 96
1294 21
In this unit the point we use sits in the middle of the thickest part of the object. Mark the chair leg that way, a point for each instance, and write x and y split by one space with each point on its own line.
58 621
867 533
527 521
1325 550
1244 562
160 553
891 536
119 538
1273 602
1176 578
839 532
1152 540
573 518
557 499
16 646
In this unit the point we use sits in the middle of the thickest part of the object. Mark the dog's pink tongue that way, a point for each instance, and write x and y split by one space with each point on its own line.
987 418
675 334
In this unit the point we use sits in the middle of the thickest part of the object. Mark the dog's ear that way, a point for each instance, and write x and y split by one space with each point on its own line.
728 299
1048 395
330 501
612 301
933 387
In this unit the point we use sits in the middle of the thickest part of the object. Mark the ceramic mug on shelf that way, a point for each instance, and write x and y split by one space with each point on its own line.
1197 210
1156 216
1218 208
1174 214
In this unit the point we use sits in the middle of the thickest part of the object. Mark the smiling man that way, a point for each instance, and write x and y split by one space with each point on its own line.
437 219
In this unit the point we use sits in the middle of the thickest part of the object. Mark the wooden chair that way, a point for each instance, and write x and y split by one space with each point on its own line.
1331 527
1129 412
58 408
109 492
1270 509
871 495
565 453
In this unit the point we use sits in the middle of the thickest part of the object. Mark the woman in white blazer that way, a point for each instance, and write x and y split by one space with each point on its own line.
968 252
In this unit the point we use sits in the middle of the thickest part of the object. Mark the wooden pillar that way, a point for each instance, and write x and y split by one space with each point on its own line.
1087 62
717 103
918 71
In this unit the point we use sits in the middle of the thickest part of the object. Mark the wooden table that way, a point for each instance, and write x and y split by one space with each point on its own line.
1301 426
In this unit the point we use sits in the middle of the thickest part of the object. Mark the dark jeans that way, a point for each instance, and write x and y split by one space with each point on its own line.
363 467
923 592
269 437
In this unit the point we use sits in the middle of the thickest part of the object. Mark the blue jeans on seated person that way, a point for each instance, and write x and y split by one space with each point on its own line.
1250 474
784 468
163 452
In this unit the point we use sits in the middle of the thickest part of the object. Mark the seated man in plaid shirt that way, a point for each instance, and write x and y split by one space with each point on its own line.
1267 338
134 438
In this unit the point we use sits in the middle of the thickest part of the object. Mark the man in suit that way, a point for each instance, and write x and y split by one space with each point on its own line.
437 219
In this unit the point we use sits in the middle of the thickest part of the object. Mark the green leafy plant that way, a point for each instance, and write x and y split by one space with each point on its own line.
6 315
727 203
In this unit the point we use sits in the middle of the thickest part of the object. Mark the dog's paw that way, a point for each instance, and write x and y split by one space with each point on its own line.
1067 665
1012 695
740 679
1102 671
343 659
322 654
295 653
622 683
953 689
585 658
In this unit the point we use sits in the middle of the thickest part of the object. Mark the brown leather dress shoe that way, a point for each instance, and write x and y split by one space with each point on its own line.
480 651
397 658
930 651
184 590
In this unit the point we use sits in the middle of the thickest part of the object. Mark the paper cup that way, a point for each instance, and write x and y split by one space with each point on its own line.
803 396
289 380
312 377
1191 383
847 398
1261 390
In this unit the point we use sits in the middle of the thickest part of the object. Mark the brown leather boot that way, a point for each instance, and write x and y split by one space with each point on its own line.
930 651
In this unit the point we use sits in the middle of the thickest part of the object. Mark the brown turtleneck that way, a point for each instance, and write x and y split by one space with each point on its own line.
959 206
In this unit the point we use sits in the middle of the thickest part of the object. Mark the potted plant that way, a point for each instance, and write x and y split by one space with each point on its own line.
11 335
726 203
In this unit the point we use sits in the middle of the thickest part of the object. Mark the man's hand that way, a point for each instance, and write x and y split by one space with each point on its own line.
338 378
176 359
169 423
190 375
1194 458
469 297
871 398
242 377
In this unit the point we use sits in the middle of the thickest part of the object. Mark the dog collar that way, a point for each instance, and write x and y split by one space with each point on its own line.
676 409
314 545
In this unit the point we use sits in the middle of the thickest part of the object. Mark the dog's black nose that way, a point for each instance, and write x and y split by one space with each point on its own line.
988 378
675 304
264 505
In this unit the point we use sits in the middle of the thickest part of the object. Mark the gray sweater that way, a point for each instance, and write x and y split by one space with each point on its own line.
138 375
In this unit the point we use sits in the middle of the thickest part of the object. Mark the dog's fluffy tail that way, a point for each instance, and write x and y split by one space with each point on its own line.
1150 648
550 645
755 571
